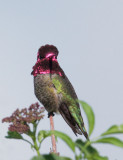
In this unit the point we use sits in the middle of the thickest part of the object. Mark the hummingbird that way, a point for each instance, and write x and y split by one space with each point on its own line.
54 90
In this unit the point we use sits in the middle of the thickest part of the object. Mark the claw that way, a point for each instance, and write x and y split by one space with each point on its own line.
50 114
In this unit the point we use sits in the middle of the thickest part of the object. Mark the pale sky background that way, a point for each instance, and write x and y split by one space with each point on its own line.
89 37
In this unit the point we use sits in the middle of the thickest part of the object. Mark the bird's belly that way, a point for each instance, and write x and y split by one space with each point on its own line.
46 92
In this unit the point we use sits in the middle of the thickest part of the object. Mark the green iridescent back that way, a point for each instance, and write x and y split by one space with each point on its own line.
64 87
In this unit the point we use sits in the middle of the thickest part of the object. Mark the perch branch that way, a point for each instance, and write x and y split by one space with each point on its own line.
54 150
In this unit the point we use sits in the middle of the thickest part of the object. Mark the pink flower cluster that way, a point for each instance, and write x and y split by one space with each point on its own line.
20 119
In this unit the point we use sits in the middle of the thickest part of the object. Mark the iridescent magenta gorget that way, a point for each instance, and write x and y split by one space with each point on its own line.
42 65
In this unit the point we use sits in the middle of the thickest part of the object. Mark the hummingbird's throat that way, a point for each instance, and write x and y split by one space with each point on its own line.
47 66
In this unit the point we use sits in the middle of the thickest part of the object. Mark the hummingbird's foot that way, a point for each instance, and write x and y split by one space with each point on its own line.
50 114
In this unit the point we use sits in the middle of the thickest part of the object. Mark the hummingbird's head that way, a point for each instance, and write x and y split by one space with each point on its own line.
47 61
47 51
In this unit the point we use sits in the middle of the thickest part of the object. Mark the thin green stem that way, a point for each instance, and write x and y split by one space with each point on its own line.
36 146
87 144
27 141
40 143
32 135
94 139
34 138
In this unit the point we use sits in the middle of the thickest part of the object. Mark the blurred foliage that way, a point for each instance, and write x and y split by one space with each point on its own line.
90 116
44 134
86 149
50 157
14 135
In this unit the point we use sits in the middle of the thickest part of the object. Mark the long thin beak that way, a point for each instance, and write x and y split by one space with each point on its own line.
50 56
50 63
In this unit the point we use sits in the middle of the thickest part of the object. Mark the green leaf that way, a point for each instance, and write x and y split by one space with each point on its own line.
66 139
90 115
114 129
110 140
44 134
78 157
38 158
99 158
14 135
50 157
89 151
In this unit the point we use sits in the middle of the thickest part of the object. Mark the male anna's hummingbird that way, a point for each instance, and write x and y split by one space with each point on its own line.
54 90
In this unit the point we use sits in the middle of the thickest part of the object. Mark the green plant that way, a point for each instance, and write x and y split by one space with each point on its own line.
20 125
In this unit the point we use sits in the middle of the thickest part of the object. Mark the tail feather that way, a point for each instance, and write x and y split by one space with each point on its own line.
64 111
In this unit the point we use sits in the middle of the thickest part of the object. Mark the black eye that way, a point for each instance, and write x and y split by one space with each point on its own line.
41 57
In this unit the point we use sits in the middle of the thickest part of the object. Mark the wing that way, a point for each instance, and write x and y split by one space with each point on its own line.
69 107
